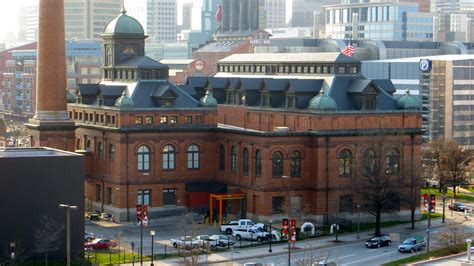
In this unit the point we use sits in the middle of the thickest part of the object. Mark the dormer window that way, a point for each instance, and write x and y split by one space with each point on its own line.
168 103
290 101
370 103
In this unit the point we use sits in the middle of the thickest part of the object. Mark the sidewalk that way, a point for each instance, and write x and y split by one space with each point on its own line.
251 253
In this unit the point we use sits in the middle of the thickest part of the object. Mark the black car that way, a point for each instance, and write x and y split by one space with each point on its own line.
457 206
378 241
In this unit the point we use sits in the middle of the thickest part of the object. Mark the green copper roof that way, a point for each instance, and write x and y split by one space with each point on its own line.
208 100
71 98
322 102
123 24
408 101
124 101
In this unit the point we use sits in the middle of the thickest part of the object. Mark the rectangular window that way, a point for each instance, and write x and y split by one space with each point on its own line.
345 203
169 196
144 195
188 119
199 119
138 120
109 195
97 193
163 120
149 120
173 119
277 205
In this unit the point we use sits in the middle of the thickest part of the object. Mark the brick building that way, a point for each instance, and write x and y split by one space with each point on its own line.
276 140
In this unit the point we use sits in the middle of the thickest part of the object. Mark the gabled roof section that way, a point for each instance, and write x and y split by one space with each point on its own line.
251 84
276 84
88 89
234 83
358 85
141 62
385 84
306 85
111 91
197 81
143 96
220 83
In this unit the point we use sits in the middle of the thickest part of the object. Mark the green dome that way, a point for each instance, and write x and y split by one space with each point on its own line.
322 102
123 24
124 101
408 101
208 100
71 98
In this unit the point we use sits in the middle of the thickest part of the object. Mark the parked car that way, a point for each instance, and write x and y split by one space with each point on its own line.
100 244
253 233
88 237
458 206
220 240
378 241
228 228
93 216
185 242
412 244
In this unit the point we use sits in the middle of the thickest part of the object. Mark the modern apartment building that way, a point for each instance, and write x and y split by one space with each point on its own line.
390 21
275 12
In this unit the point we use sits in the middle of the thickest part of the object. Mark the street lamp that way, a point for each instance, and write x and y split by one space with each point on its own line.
68 230
358 221
271 237
152 233
289 218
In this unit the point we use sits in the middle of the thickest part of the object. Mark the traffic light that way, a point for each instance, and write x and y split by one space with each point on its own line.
284 229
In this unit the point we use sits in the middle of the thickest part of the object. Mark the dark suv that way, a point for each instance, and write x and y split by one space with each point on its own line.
457 206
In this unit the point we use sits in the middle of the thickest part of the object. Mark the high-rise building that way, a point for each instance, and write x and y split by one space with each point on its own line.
303 12
158 16
187 16
275 11
84 19
391 21
208 22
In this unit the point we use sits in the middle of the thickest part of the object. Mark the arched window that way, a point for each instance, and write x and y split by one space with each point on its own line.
245 161
258 163
168 157
233 159
277 164
112 152
100 150
369 161
78 144
393 158
221 157
143 159
295 164
345 162
193 156
88 145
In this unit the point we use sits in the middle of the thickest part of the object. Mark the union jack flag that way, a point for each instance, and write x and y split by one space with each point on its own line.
349 50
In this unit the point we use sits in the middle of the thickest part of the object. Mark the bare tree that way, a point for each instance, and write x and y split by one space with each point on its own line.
451 162
376 182
452 235
189 228
48 236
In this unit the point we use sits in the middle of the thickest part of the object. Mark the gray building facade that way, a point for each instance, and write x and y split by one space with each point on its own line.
34 181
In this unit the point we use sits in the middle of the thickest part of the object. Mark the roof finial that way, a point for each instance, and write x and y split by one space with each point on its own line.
123 11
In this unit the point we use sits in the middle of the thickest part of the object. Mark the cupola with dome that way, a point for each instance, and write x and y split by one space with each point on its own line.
322 103
408 102
124 52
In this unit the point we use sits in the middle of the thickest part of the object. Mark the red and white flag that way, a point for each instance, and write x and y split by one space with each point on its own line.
218 15
349 50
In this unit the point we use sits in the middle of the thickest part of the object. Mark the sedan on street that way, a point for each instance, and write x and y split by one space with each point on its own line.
100 244
378 241
458 206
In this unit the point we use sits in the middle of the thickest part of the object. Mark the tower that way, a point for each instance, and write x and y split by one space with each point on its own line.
51 125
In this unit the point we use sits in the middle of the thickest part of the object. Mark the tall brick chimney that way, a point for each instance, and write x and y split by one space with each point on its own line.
51 125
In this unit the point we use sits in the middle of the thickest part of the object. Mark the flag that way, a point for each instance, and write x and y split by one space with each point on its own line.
218 15
349 50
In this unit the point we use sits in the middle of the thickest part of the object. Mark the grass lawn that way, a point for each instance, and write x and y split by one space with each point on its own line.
459 196
425 255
